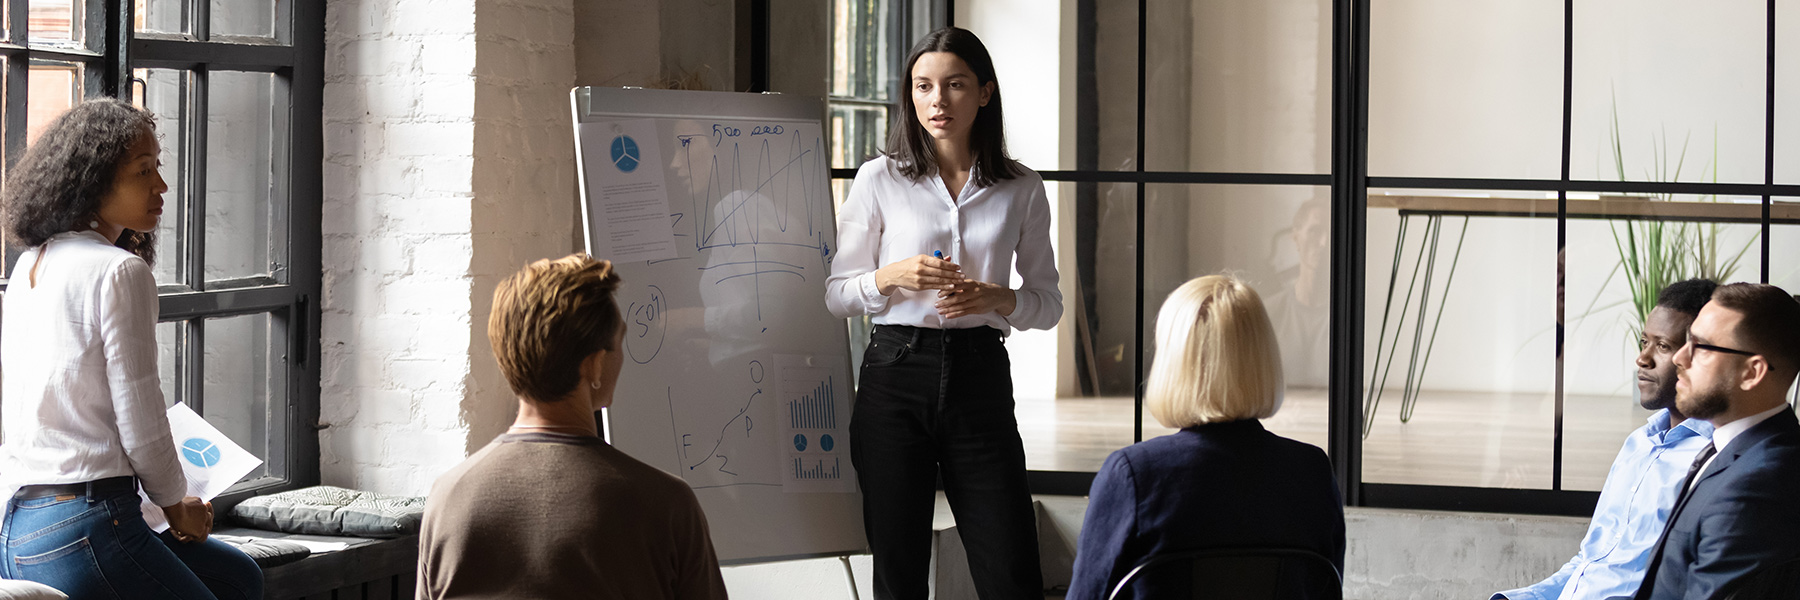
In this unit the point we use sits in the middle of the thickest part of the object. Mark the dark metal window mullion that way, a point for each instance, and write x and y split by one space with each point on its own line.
1562 233
1768 142
193 153
18 90
1137 364
1349 237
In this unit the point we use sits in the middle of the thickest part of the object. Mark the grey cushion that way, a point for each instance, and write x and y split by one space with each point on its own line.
267 552
26 590
327 510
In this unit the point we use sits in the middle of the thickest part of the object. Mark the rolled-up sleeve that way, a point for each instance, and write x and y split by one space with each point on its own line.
127 317
851 289
1038 303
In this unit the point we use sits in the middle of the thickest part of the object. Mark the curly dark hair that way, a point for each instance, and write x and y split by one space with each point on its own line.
58 184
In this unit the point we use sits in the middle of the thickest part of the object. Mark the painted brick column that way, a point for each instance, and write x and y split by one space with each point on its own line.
441 172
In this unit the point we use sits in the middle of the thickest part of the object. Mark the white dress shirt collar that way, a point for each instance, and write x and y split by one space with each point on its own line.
1724 434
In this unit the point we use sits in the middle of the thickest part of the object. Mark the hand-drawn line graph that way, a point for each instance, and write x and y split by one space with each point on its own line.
745 203
739 429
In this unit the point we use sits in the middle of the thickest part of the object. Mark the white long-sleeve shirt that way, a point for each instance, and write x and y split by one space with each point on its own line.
889 218
81 399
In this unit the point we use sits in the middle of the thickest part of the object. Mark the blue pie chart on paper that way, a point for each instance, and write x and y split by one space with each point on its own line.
200 452
625 153
825 442
800 442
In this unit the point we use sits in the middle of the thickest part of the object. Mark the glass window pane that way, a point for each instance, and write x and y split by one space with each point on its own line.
53 88
161 16
858 133
1459 352
55 22
163 92
865 49
1787 88
1466 89
1605 314
1784 254
239 164
1277 239
1072 417
1238 86
246 17
1060 113
245 383
1666 90
168 357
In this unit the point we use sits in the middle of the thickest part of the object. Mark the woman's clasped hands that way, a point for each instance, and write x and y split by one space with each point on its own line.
957 296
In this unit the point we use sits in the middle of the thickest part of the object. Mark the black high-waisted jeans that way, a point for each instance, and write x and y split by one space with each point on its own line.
931 400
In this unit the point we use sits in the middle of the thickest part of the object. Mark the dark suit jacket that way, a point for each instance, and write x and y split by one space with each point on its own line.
1218 485
1743 514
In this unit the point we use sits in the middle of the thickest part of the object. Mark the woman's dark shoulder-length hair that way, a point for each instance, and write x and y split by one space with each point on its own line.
908 143
58 184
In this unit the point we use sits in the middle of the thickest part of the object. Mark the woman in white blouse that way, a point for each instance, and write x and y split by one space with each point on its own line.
83 410
928 240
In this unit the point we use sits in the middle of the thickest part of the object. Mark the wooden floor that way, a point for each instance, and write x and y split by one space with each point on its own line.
1479 439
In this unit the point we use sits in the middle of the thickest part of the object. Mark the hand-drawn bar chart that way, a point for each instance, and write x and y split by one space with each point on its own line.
817 469
816 409
815 426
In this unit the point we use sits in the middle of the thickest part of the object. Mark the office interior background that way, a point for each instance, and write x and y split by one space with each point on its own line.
1446 206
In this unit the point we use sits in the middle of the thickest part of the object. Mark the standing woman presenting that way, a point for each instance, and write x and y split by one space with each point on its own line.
83 409
928 240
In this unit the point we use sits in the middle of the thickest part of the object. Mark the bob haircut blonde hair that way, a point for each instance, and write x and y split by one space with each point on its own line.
1216 356
549 317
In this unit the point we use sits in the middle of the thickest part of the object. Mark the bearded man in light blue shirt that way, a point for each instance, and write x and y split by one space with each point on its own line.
1641 487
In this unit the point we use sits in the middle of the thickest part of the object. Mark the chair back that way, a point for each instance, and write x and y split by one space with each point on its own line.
1236 573
1779 580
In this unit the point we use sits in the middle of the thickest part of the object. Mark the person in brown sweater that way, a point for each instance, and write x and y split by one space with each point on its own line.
549 510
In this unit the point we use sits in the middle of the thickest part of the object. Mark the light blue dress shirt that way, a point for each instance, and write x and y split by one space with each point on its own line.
1634 505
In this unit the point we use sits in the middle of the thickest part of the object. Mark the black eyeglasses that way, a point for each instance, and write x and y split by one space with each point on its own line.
1723 350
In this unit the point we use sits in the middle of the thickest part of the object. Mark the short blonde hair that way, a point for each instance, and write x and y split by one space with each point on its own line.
549 317
1216 356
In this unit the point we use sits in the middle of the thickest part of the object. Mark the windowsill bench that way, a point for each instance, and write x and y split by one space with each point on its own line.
368 569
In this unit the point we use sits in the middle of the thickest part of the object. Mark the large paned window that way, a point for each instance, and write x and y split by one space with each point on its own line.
1453 211
235 86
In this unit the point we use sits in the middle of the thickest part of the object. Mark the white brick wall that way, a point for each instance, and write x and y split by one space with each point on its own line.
448 164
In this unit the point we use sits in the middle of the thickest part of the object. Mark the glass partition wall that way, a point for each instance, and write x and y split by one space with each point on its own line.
1445 206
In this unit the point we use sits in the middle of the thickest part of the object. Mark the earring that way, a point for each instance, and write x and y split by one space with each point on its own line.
94 224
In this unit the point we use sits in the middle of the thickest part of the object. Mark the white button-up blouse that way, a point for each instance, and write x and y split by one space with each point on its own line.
888 218
82 400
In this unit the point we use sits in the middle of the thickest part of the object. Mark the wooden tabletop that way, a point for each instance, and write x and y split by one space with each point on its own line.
1607 207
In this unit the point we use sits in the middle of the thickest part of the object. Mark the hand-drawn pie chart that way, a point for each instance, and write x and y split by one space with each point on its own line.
200 452
625 153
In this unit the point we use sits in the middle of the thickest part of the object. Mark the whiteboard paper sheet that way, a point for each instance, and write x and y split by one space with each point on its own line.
625 183
815 419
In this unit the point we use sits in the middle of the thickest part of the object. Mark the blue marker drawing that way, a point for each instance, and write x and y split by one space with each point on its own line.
800 442
825 442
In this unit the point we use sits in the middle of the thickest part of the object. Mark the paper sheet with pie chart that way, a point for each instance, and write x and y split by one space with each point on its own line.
211 461
627 182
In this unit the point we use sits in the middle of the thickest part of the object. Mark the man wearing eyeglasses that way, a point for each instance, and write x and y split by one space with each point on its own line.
1640 488
1738 512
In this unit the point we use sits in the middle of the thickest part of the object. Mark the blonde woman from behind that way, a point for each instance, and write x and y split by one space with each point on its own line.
1222 482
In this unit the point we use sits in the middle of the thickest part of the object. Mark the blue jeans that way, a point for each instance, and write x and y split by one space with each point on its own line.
99 547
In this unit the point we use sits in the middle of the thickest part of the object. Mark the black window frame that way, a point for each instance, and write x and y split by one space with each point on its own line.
295 54
1349 182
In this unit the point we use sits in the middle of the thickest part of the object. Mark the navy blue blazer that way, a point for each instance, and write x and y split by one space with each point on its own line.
1743 514
1218 485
